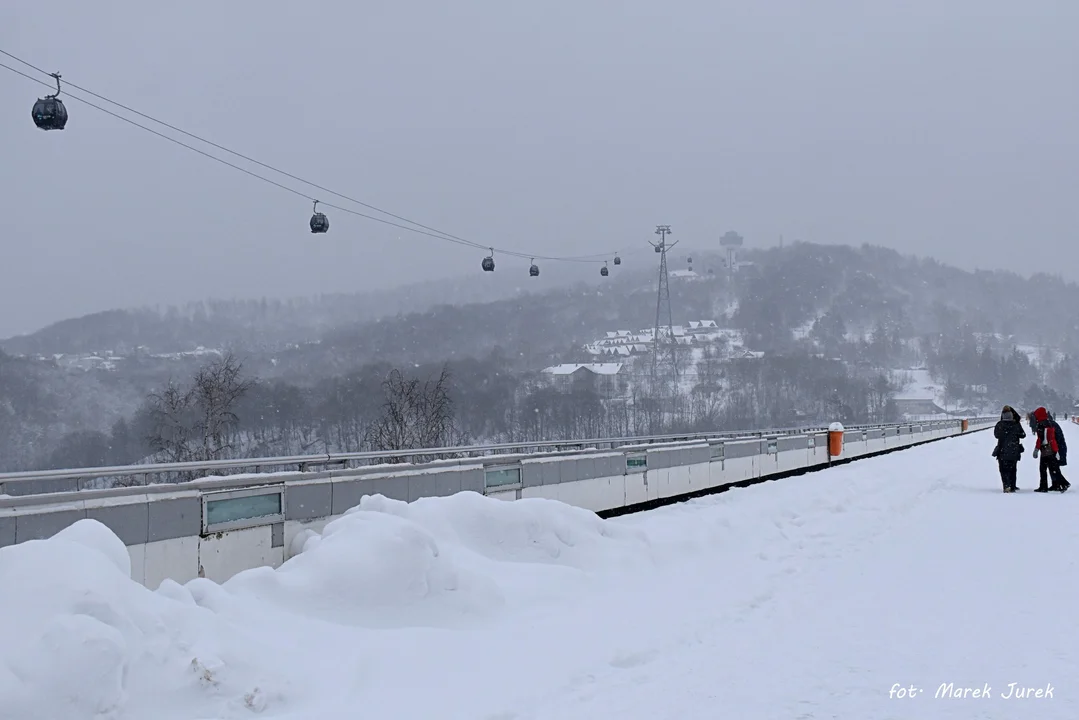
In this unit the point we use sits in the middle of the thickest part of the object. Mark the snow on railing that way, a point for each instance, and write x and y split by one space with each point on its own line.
158 473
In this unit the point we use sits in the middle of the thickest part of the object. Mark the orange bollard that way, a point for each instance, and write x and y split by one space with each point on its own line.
835 440
966 425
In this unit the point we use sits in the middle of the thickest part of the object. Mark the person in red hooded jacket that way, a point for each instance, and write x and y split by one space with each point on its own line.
1046 445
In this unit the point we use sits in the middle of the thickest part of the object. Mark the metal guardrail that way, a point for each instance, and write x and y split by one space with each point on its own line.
304 462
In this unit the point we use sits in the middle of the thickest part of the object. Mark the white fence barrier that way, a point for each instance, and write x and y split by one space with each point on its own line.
215 527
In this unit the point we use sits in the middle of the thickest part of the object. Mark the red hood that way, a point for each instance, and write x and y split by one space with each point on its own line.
1041 415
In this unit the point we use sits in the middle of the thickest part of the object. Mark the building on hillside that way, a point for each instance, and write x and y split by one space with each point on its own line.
620 343
737 352
605 378
703 327
678 330
607 350
620 350
89 361
912 408
628 344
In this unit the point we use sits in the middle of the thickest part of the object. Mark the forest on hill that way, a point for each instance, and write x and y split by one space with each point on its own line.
835 331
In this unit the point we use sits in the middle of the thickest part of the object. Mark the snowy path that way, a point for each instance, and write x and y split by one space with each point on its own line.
956 584
804 598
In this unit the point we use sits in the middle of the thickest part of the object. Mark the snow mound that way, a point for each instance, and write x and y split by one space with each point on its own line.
79 633
531 530
373 570
81 639
67 623
432 562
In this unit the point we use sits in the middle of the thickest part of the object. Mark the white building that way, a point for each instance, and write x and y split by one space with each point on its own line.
602 377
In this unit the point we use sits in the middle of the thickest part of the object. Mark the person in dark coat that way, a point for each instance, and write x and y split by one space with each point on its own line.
1049 449
1009 450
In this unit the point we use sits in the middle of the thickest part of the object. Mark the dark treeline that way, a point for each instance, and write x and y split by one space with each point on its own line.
220 413
985 372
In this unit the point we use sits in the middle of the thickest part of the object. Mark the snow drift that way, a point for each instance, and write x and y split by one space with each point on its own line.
80 637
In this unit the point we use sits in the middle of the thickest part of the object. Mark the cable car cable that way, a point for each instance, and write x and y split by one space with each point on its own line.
243 169
431 232
244 157
465 243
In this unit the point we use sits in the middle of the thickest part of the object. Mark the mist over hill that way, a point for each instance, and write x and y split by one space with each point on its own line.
797 333
255 324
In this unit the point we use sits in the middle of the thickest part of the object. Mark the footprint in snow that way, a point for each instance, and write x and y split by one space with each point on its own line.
759 600
627 660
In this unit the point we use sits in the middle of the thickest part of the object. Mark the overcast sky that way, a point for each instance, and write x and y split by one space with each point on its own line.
937 127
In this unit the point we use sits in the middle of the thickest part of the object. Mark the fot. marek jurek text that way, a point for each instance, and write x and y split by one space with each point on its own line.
1011 691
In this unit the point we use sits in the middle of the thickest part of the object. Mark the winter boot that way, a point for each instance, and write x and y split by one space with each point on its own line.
1009 489
1063 487
1041 488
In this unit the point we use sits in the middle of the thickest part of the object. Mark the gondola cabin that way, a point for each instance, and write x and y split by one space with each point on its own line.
49 113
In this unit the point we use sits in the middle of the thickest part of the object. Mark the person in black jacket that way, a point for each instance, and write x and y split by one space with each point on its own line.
1009 450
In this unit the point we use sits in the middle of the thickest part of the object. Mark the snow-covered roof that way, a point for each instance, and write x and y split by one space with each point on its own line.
597 368
917 406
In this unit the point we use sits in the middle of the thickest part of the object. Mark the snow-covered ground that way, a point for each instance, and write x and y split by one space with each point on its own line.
1040 356
810 597
922 386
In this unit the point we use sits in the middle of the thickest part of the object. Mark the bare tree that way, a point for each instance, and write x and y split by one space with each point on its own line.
217 389
415 414
198 422
392 430
436 427
171 415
